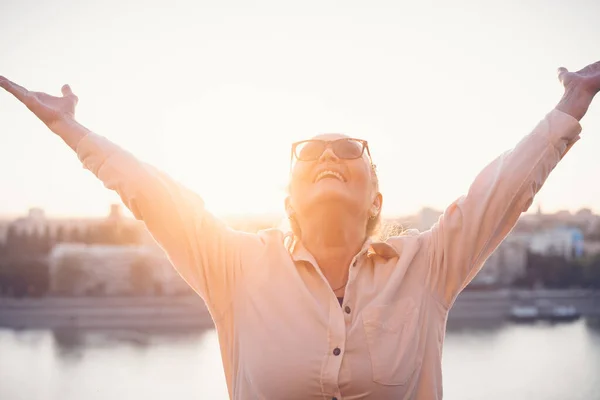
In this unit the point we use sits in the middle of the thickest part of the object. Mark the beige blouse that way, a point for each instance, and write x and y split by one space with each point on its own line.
282 332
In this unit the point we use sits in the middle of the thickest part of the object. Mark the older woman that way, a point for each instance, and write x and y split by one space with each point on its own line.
329 313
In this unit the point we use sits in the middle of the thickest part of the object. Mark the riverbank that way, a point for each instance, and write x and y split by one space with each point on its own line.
105 313
498 304
190 312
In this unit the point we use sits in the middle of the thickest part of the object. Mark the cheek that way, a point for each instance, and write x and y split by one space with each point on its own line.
361 178
299 173
298 183
362 187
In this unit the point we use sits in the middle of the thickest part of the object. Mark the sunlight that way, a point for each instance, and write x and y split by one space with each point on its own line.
231 146
217 104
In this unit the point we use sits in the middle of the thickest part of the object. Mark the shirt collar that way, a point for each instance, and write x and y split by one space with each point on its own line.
370 247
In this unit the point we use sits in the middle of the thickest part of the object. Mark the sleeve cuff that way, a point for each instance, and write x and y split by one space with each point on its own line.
93 150
562 128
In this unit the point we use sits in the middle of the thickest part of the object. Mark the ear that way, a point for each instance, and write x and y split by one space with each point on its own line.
376 205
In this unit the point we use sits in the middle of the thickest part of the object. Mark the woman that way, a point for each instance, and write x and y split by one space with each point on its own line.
276 303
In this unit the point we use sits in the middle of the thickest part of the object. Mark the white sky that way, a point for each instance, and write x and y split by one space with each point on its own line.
215 92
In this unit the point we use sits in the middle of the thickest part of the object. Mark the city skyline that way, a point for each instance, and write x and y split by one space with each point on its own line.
121 210
216 98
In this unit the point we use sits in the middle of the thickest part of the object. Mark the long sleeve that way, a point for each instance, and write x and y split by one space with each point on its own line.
206 253
473 226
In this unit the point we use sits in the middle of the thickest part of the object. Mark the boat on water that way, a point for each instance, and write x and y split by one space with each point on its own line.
553 313
563 313
524 313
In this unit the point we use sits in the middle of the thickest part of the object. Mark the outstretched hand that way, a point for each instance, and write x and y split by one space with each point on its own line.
580 89
51 110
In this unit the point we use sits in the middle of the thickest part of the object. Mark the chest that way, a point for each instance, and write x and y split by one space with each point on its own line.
301 343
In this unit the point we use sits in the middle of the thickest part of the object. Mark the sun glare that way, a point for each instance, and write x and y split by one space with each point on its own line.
230 145
216 99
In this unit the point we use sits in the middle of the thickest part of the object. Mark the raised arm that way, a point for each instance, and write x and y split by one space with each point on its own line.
207 254
473 226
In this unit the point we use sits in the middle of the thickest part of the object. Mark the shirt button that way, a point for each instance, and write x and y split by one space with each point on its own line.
336 351
347 309
334 398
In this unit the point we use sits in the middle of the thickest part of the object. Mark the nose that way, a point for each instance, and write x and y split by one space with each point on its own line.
328 155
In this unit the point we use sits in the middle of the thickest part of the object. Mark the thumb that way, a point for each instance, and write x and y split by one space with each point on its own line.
562 72
66 90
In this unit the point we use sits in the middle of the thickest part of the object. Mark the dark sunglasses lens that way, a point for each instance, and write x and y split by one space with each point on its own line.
348 149
308 151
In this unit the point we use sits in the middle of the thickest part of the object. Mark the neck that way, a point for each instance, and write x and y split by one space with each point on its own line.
333 238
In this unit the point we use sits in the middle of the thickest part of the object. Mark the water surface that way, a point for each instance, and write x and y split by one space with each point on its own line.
519 362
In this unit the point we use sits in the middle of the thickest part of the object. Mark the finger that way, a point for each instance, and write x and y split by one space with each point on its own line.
562 71
18 91
66 90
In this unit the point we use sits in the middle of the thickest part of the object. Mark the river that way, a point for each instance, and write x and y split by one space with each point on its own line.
492 362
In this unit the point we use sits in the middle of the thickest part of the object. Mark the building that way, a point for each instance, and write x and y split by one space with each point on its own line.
35 222
107 270
566 242
65 229
506 264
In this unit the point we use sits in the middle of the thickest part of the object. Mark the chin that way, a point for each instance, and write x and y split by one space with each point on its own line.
330 198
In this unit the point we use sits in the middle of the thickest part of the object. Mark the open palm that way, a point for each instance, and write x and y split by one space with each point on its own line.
51 110
580 88
587 78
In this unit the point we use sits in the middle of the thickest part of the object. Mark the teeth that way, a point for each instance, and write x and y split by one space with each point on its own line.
325 173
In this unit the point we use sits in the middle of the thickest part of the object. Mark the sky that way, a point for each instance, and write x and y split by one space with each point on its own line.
214 93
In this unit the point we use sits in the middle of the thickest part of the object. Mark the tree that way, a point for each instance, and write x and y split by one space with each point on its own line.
129 235
591 272
60 236
554 272
34 243
47 242
14 241
76 235
104 234
140 276
548 271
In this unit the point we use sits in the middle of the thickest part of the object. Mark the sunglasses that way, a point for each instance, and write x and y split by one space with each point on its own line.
345 149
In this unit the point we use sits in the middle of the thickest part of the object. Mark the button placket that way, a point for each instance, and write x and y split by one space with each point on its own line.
354 264
351 277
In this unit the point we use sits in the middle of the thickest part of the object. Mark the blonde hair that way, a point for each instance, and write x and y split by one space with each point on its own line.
374 224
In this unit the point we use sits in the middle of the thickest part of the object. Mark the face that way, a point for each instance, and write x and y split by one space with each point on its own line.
330 181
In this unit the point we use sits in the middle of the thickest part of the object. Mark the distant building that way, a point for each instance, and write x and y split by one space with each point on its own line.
108 270
36 223
509 261
584 219
566 242
506 264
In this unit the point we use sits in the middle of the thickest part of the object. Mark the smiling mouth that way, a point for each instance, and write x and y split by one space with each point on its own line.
329 174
